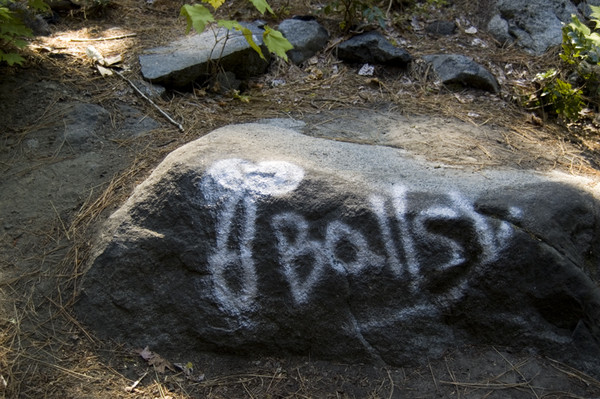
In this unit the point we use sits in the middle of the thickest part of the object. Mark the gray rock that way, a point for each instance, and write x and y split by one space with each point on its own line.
149 90
224 82
372 48
31 19
498 27
133 122
442 28
307 37
535 25
459 69
257 239
194 57
83 123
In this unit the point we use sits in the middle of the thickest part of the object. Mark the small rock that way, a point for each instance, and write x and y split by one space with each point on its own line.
441 28
224 82
498 27
307 36
30 19
366 70
455 68
372 48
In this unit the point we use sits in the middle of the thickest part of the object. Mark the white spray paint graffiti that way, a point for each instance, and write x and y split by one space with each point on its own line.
227 184
234 183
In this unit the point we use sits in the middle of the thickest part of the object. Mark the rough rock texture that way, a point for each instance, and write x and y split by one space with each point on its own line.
373 48
133 122
82 123
441 28
307 36
149 90
256 239
534 24
460 69
193 57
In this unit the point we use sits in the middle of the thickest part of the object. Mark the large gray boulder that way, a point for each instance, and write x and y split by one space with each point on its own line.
535 25
257 239
460 69
374 48
197 57
307 36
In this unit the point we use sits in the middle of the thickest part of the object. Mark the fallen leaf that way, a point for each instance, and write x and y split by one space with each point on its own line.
535 120
104 71
112 60
159 363
146 354
94 54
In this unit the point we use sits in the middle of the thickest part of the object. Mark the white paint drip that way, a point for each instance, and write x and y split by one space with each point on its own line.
226 184
399 202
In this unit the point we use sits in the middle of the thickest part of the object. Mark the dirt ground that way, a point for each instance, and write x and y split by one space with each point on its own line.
57 190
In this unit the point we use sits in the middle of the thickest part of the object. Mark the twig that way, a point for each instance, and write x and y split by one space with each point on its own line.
101 39
483 385
389 8
516 369
163 113
456 384
61 221
392 385
437 389
131 388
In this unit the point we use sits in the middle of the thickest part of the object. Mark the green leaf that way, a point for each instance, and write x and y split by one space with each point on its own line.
262 6
227 24
242 98
39 5
595 15
577 25
215 3
197 16
11 58
19 43
595 39
276 43
5 14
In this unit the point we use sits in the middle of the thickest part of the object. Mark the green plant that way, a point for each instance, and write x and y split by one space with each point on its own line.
198 17
568 91
355 11
13 29
579 42
557 96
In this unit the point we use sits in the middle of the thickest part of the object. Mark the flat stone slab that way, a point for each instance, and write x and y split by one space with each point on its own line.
257 239
194 57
